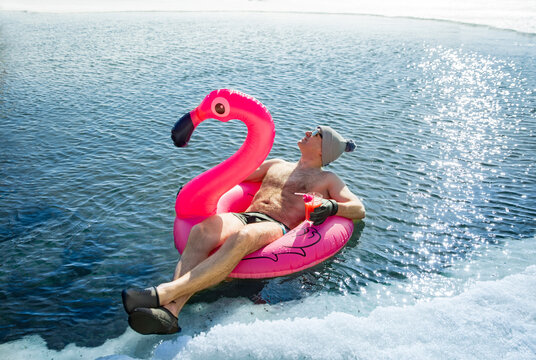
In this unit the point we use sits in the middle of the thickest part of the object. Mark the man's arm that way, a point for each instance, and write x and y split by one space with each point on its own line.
259 174
349 204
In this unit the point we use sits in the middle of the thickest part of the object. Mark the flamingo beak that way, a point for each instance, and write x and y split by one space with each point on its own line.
183 129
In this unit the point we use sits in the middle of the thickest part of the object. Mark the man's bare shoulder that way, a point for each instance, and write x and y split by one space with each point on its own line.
332 182
330 176
270 168
275 161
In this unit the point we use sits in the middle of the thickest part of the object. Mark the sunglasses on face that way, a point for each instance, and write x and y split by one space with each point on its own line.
316 132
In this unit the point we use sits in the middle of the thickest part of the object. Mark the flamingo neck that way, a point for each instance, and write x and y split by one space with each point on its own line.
200 196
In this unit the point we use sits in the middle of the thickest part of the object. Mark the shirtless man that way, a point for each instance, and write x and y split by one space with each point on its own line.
274 210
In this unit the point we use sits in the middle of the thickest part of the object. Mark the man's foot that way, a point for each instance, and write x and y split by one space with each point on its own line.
153 321
140 298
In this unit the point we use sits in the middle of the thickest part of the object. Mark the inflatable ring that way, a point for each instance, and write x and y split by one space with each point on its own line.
221 189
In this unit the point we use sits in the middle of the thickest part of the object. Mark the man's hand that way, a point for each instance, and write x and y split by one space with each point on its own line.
321 213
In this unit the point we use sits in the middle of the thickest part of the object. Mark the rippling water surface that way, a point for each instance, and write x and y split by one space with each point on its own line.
443 115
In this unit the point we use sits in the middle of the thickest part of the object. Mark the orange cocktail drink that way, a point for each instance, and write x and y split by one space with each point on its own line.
312 201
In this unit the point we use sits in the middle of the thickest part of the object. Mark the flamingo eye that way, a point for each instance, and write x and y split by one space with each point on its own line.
220 107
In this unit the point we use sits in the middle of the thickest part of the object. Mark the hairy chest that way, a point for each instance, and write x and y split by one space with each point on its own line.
292 180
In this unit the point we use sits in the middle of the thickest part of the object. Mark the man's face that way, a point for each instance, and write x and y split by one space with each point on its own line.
311 142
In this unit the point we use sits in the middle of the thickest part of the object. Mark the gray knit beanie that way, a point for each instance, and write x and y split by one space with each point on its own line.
333 145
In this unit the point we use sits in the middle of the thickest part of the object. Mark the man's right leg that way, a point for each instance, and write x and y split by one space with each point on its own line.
203 239
150 317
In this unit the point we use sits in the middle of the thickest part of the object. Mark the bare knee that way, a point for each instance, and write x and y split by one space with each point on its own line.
242 241
203 238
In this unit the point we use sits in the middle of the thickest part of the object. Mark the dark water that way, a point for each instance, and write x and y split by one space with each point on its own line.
443 115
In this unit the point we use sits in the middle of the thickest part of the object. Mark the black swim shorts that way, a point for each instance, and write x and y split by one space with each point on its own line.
257 217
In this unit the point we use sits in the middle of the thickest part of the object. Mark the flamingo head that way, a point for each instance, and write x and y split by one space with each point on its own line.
222 105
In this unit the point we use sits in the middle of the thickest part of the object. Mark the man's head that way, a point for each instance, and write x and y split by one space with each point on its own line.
325 143
333 145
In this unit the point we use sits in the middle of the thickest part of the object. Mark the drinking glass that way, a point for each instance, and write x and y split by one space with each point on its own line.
312 200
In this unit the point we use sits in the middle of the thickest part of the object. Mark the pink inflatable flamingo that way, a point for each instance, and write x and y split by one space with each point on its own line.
221 189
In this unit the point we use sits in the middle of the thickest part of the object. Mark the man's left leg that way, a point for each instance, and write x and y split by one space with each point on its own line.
202 240
213 269
219 265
